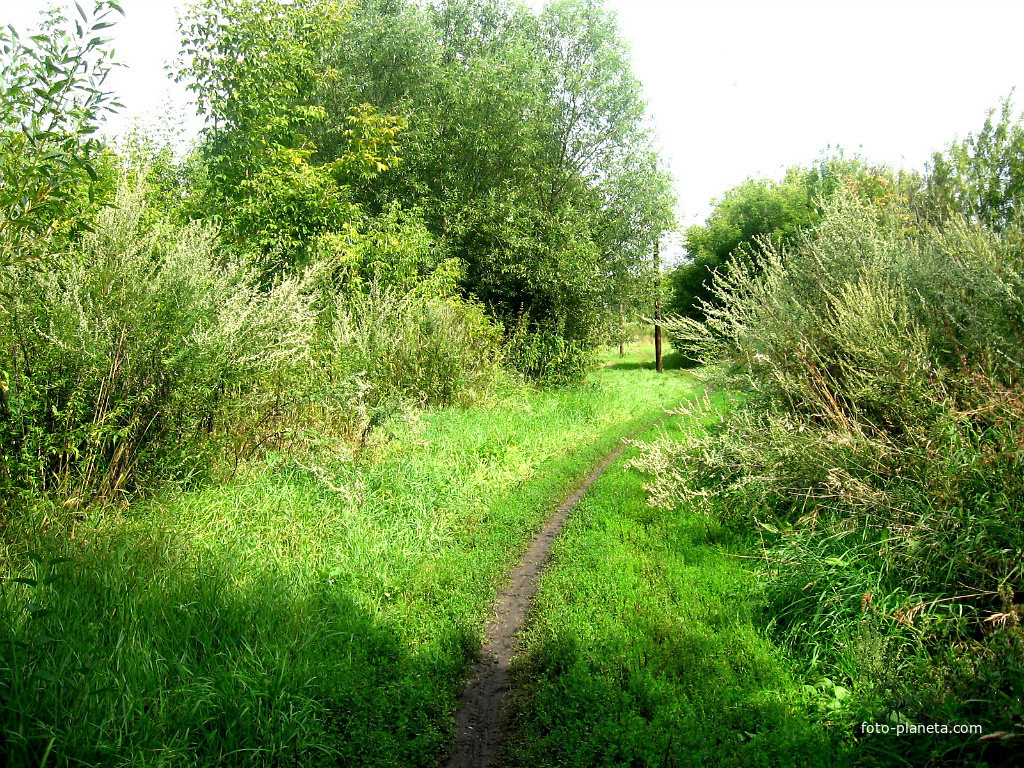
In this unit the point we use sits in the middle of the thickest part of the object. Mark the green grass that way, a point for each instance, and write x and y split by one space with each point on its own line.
313 612
646 648
640 357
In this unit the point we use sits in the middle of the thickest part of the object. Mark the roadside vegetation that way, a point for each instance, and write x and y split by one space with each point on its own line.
877 448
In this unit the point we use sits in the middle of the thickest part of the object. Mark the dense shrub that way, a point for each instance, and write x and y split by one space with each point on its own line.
878 449
413 345
547 356
121 357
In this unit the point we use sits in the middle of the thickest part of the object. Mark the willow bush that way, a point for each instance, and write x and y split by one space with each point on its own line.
122 357
411 344
877 448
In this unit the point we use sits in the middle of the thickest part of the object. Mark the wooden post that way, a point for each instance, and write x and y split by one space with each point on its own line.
658 364
622 332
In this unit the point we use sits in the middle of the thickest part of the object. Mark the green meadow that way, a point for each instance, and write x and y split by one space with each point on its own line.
318 610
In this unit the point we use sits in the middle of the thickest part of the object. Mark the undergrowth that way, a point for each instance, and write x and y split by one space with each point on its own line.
876 450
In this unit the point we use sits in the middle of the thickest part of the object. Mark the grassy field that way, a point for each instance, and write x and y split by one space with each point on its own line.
646 650
313 611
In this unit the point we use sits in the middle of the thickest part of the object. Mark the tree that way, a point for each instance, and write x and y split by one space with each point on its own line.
516 139
760 214
982 176
576 151
634 211
259 69
754 214
52 100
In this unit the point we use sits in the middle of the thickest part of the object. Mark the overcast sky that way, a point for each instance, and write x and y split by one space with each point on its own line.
741 88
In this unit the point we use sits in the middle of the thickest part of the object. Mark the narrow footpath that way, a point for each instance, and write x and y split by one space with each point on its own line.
481 719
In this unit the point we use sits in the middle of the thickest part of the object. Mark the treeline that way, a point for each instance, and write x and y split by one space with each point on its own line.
393 204
875 332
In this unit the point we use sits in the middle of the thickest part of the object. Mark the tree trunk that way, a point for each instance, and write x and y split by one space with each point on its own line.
658 364
622 332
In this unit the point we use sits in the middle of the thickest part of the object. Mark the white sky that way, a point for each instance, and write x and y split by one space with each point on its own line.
739 88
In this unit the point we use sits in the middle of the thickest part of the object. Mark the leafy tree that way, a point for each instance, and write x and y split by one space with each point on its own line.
760 214
52 100
566 145
755 214
982 176
595 102
634 208
516 139
262 71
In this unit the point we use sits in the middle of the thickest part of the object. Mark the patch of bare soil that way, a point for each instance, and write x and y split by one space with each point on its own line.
481 719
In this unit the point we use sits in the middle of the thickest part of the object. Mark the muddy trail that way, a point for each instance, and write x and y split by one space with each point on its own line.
483 705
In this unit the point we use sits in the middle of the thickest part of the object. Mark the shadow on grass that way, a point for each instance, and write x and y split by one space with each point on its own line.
134 657
670 362
682 699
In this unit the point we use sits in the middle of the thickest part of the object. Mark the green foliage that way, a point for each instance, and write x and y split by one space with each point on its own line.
123 356
51 103
284 205
394 248
516 138
761 214
878 446
253 66
636 211
525 263
981 176
433 352
749 218
544 355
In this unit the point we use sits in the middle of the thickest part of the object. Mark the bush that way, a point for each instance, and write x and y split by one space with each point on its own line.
121 358
546 356
412 345
877 447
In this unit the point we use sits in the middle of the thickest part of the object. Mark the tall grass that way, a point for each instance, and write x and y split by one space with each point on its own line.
317 609
431 350
878 450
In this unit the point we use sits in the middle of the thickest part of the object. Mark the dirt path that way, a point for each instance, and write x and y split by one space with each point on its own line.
480 722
